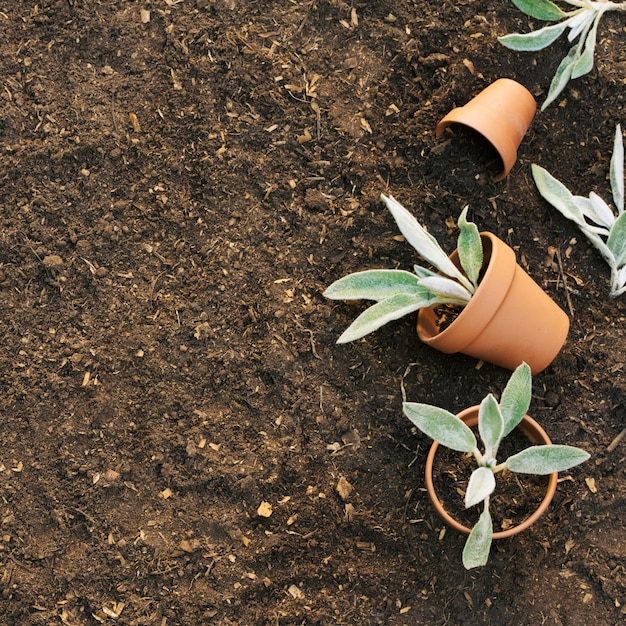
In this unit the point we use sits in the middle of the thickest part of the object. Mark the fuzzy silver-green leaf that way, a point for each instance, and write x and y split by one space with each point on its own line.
535 40
374 285
540 9
516 398
481 484
470 248
617 170
617 240
441 425
478 544
547 459
490 425
381 313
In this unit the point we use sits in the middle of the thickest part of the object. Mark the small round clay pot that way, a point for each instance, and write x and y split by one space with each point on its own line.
508 320
535 434
502 114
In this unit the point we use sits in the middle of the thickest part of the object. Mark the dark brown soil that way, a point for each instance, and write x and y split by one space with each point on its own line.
183 442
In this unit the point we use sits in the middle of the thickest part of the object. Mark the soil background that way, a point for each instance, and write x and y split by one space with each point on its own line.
182 441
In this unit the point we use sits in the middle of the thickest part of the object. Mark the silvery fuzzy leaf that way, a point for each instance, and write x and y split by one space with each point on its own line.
441 425
540 9
584 63
423 272
374 285
578 23
542 460
602 213
446 288
490 425
423 242
561 77
470 248
516 398
557 194
617 240
535 40
481 484
478 544
617 170
584 204
379 314
602 248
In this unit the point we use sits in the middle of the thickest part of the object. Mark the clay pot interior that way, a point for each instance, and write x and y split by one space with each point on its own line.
479 155
518 501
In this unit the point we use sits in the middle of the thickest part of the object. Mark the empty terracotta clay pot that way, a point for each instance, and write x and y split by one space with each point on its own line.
509 319
535 434
501 113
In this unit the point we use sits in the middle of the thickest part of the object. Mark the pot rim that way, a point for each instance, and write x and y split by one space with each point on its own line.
536 434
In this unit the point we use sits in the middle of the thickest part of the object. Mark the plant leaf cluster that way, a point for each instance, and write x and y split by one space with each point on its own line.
582 23
398 292
605 230
495 421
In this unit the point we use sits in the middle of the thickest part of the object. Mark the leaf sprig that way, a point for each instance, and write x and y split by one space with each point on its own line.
495 421
397 292
605 230
583 25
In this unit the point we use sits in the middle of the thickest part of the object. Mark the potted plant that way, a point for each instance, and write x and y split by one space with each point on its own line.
594 217
495 421
481 286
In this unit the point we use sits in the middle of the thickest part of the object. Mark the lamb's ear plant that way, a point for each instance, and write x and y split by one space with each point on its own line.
398 292
495 421
605 230
582 22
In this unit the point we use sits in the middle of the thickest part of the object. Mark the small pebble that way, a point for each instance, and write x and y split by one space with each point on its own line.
551 399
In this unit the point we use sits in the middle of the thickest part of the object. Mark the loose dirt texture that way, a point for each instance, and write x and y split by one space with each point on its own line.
182 441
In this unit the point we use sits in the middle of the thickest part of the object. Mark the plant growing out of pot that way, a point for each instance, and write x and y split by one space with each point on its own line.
398 292
605 230
582 22
495 421
488 291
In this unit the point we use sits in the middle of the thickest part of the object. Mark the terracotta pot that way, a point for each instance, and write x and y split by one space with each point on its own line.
509 319
535 434
501 113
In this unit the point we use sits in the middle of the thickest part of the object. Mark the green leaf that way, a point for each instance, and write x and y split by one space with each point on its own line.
446 288
546 459
478 544
385 311
441 425
516 398
535 40
425 244
617 240
584 63
470 248
557 194
600 211
617 170
374 285
540 9
490 425
481 484
561 77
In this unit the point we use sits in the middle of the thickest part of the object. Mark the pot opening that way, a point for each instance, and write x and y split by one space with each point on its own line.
473 152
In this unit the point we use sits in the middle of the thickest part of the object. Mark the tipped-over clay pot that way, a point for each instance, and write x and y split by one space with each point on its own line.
502 114
535 434
509 319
